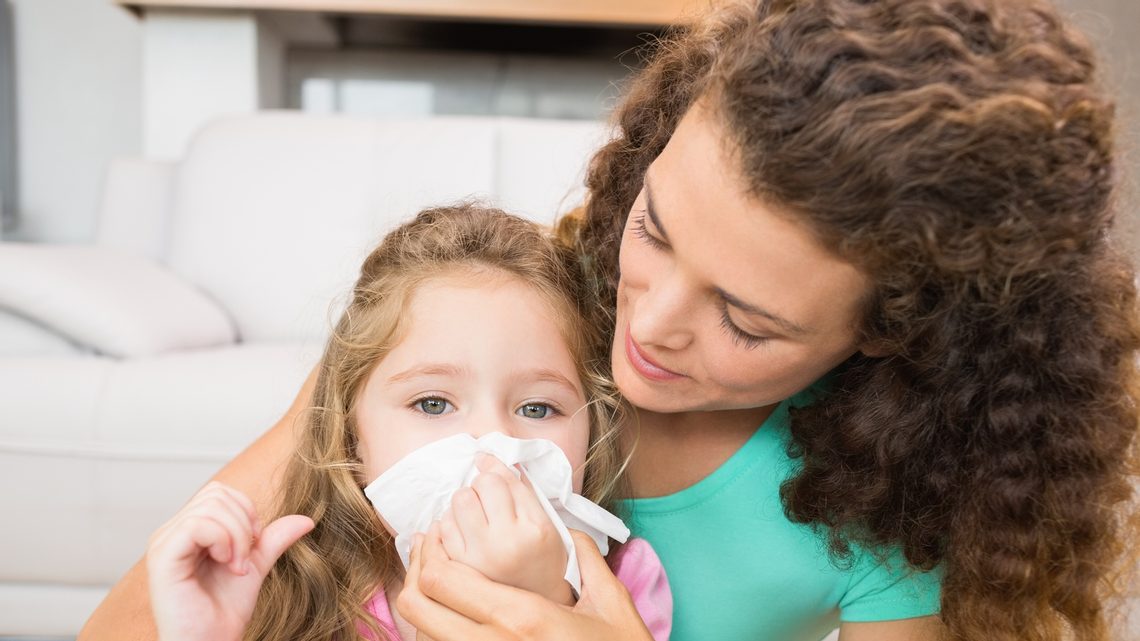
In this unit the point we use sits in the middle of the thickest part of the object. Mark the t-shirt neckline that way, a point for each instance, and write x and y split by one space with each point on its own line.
739 462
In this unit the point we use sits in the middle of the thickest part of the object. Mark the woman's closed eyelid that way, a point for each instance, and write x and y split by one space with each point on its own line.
641 230
739 335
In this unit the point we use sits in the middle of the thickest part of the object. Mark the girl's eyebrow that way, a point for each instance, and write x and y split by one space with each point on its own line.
429 369
548 375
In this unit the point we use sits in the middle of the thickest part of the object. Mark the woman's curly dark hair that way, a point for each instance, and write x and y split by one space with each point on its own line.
959 152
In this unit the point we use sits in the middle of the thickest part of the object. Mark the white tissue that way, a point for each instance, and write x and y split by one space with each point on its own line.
417 490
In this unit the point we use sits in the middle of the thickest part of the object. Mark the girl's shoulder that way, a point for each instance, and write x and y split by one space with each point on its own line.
635 563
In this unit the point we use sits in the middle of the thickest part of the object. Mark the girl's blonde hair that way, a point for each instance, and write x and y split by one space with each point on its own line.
319 589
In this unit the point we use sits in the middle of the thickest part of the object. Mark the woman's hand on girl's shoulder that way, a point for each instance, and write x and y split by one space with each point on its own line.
449 601
206 565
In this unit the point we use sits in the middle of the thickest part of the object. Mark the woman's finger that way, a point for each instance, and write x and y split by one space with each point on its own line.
470 594
604 598
429 617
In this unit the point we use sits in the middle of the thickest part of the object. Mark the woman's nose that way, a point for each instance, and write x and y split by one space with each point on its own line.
661 314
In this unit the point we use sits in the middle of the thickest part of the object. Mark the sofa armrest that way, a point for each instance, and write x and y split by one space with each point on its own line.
109 301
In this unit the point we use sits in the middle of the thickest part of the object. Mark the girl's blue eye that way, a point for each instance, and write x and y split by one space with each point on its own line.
535 410
432 405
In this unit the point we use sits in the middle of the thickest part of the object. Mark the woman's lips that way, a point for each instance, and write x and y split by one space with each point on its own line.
643 365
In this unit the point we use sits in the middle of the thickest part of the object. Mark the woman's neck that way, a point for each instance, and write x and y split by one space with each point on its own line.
674 451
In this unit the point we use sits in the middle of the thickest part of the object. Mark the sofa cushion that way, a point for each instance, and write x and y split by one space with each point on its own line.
272 214
108 300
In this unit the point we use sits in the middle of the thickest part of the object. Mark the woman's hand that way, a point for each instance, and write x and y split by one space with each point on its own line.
498 527
207 564
449 601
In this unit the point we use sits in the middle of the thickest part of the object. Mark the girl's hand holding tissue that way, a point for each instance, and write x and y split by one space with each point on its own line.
498 527
207 564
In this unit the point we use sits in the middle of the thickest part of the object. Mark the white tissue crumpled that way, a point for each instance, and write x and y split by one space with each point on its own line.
417 490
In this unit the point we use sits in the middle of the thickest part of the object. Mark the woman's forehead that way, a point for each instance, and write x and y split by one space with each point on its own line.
759 254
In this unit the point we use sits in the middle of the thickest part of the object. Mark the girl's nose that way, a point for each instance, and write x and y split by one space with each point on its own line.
490 420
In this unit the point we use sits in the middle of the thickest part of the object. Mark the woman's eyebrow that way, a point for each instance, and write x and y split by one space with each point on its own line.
651 211
783 323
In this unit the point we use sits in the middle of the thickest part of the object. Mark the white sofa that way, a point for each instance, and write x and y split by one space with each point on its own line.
133 368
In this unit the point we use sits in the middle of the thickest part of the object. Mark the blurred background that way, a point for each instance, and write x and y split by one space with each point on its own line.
185 185
83 81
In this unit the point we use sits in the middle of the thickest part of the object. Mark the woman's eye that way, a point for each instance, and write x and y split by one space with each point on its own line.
739 336
535 410
642 231
433 405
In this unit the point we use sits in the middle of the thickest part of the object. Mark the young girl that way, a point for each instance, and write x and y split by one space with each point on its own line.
464 321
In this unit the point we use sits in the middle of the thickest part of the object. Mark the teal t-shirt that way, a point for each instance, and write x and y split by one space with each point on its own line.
739 569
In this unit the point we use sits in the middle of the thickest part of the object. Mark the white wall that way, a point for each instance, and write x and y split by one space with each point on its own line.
1112 25
79 86
398 82
78 104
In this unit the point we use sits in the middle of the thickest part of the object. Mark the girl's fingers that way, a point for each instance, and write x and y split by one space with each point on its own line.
492 465
215 496
498 504
222 508
244 503
451 536
469 515
523 500
197 533
526 502
277 538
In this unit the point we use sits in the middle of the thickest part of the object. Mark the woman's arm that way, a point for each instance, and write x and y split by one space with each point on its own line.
125 614
917 629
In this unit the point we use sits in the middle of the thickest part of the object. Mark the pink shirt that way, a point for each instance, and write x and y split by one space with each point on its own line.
635 564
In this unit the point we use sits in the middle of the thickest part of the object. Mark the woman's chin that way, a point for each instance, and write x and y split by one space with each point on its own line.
650 396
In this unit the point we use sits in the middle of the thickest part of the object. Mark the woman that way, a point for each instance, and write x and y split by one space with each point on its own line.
902 207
